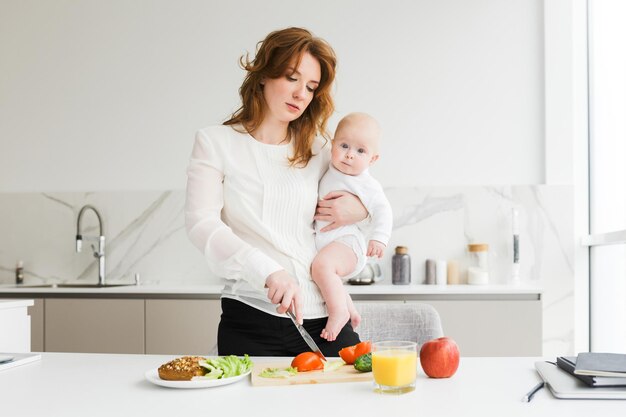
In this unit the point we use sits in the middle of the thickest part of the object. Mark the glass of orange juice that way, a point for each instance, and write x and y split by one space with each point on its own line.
394 365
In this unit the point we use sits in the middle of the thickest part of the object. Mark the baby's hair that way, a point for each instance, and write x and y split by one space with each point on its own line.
359 117
370 123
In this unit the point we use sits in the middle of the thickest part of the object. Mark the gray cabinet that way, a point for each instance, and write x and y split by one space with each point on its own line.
94 325
493 327
181 327
102 325
483 326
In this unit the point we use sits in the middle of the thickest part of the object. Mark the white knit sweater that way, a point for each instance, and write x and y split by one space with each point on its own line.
251 214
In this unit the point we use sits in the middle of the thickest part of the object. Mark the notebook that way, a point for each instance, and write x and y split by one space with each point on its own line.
601 364
568 364
565 386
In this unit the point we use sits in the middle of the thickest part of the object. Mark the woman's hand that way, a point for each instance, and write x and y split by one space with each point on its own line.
340 208
284 291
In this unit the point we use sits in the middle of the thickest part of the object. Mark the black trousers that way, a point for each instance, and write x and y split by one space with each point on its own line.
244 329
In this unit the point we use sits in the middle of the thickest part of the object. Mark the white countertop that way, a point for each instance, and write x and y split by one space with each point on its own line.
69 384
215 289
443 289
15 303
125 289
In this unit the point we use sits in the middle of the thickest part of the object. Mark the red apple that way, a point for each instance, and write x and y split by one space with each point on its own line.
440 357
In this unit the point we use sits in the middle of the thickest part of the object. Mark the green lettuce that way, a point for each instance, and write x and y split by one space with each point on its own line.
226 366
278 372
330 366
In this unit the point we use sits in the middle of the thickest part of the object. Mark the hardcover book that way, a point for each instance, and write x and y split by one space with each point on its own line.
601 364
568 364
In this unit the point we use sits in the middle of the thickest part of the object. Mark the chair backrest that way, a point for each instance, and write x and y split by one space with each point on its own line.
415 322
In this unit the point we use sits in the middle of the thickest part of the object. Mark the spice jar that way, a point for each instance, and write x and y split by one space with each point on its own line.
478 271
401 266
431 272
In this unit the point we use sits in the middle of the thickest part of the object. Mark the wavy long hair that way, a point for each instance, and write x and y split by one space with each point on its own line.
275 54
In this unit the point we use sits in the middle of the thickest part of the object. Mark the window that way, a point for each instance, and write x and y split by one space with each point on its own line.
607 175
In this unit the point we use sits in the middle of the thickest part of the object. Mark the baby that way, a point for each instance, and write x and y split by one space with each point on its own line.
342 252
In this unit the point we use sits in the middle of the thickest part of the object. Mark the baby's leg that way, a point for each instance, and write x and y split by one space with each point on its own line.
355 317
331 263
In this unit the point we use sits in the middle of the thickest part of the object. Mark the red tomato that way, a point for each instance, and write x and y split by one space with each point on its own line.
351 353
362 348
307 361
347 354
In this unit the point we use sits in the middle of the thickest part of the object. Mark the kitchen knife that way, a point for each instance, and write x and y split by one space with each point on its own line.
306 336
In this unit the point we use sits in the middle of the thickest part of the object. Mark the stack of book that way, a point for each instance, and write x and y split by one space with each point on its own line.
596 369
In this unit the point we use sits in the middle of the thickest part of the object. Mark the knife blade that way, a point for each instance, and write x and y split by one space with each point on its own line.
306 336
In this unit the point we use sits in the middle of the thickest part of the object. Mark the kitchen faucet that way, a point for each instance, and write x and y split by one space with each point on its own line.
99 254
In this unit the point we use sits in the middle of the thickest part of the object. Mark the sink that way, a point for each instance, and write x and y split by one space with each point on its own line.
71 285
34 286
78 285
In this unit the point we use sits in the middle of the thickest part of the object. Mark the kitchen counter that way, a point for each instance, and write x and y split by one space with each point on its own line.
142 319
70 384
211 292
427 292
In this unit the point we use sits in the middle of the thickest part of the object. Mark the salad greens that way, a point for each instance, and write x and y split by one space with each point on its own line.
278 372
330 366
226 366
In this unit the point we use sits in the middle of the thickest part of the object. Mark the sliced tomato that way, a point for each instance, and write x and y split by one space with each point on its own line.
362 348
347 354
307 361
351 353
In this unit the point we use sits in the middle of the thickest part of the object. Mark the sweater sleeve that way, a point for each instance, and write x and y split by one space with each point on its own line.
228 256
382 218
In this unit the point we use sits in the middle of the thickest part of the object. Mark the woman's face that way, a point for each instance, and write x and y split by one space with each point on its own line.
287 97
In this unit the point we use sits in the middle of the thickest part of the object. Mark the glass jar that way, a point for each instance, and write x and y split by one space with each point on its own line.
401 266
478 271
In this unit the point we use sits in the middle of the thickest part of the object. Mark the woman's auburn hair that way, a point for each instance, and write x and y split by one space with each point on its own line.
279 51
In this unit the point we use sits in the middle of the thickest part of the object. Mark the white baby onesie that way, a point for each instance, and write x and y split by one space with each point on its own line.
373 198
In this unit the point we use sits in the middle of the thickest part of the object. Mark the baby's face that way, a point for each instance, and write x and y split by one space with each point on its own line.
355 148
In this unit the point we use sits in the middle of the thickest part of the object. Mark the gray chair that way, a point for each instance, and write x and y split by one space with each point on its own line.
415 322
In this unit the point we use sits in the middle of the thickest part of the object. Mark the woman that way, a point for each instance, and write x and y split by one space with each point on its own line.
252 194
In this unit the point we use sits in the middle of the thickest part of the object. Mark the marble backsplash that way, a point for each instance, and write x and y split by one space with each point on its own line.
146 235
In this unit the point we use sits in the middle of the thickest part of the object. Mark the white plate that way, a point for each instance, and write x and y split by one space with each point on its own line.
153 376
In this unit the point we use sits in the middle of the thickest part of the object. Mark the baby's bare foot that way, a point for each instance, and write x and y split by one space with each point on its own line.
334 325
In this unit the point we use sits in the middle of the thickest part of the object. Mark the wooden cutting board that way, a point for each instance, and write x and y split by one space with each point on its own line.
346 373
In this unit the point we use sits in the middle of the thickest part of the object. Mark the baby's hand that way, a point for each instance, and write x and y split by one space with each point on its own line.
375 248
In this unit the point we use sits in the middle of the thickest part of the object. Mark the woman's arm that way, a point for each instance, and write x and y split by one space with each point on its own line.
340 208
228 255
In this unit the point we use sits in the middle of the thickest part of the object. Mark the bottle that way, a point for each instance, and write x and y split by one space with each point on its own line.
401 266
441 272
478 271
453 273
19 273
515 278
431 272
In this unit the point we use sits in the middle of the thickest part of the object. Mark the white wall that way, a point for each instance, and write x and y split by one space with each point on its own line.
101 95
